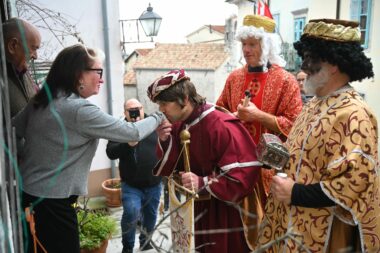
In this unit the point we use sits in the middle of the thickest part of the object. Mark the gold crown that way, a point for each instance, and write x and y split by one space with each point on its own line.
260 21
333 29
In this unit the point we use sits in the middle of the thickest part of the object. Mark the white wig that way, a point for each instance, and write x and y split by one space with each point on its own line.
270 44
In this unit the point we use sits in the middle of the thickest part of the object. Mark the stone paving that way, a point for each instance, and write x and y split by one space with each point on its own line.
161 236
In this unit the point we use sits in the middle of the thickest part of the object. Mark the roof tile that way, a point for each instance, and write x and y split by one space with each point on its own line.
187 56
130 79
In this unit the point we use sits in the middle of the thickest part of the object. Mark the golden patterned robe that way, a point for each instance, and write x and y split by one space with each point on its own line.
333 143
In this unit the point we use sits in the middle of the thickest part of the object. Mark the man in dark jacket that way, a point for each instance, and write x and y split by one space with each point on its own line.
140 189
21 42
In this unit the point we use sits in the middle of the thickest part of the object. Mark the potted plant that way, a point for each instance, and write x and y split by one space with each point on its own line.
112 192
95 229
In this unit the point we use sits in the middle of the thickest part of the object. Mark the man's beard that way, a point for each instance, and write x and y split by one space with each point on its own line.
316 81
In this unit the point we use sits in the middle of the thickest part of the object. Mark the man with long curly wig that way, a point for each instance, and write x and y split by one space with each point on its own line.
330 201
274 104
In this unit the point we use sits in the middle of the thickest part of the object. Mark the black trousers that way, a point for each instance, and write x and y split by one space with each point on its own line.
55 222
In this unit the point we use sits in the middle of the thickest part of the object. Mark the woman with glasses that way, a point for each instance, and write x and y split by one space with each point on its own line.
60 130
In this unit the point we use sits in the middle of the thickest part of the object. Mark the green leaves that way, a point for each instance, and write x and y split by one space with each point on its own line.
94 228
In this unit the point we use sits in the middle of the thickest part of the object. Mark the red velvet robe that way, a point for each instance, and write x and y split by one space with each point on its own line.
219 144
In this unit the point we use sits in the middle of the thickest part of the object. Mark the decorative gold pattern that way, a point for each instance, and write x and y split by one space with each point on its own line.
260 21
331 31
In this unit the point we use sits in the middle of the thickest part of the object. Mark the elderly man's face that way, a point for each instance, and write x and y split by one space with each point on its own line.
252 51
25 50
133 110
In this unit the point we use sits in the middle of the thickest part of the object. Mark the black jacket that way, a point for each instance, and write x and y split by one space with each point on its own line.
136 163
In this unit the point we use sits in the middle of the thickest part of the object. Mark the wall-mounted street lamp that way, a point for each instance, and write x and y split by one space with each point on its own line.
150 22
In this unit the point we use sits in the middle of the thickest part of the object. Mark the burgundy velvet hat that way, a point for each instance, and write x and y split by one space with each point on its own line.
165 81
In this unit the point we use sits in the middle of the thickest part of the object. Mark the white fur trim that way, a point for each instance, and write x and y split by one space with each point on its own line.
240 165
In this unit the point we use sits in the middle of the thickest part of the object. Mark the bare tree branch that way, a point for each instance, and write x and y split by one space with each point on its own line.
58 24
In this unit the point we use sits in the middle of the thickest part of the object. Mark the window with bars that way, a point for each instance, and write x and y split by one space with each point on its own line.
299 24
360 11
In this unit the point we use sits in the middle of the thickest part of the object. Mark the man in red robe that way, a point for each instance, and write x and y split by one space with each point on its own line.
275 96
222 160
275 100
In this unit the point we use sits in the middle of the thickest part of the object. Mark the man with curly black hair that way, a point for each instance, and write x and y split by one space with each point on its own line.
330 200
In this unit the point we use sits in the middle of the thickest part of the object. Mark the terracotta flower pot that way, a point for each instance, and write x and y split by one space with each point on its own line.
101 249
112 192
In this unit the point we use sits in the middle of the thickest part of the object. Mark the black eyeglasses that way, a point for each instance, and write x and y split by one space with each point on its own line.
99 71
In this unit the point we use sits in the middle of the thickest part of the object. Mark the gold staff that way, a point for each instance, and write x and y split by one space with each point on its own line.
185 141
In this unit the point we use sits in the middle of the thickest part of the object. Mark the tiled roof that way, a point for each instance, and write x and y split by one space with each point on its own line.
130 78
143 51
189 56
218 28
138 52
